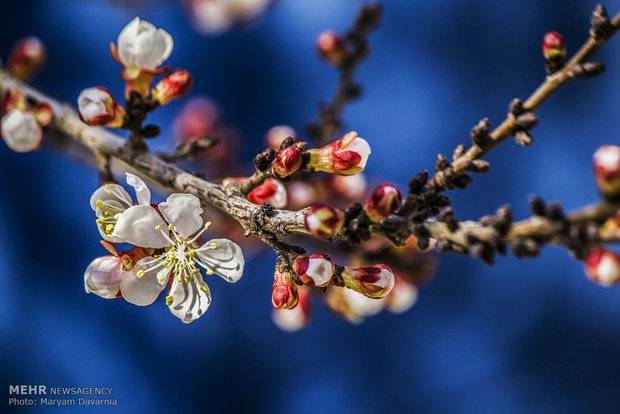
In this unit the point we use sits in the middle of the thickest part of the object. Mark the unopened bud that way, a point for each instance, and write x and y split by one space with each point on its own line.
20 131
347 156
554 51
323 221
292 320
103 277
287 161
352 187
383 201
300 195
173 86
27 58
331 47
42 113
97 107
603 267
314 270
270 191
373 281
284 292
607 170
13 99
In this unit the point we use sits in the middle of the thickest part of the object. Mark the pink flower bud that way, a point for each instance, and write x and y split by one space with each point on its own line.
27 58
607 170
553 45
277 134
292 320
347 156
402 297
331 47
173 86
42 112
603 267
198 118
300 195
284 292
271 191
103 277
323 221
314 270
373 281
383 201
20 131
97 107
13 99
287 161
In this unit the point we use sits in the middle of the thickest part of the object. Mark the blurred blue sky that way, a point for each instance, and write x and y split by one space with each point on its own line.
523 336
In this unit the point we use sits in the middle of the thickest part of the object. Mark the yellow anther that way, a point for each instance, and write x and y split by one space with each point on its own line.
194 271
204 288
116 216
209 271
169 300
157 228
192 254
140 273
109 228
207 225
99 220
99 203
105 190
184 266
192 263
179 278
160 276
214 246
187 278
107 213
170 226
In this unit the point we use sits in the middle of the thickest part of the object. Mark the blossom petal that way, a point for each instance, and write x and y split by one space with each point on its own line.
126 40
144 290
225 260
137 225
143 194
183 212
190 299
111 192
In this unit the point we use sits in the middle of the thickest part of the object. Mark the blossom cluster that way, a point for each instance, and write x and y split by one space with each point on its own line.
169 250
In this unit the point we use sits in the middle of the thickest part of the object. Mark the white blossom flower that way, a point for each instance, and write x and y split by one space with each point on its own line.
216 16
20 131
142 46
103 277
110 201
188 296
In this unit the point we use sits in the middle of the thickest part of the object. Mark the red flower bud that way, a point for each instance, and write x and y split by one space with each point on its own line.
271 191
314 270
27 58
323 220
383 201
553 45
173 86
291 320
374 281
13 99
347 156
331 47
287 161
607 170
603 267
284 292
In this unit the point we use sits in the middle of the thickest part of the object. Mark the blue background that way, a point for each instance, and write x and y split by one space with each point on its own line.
522 336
